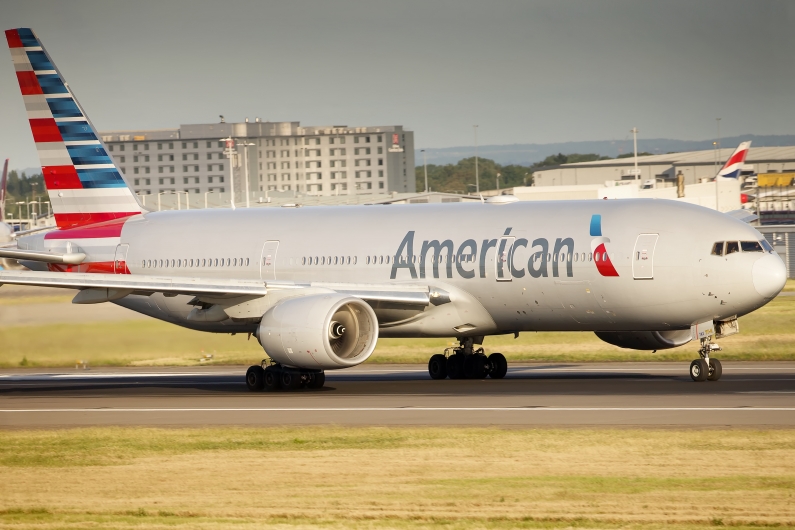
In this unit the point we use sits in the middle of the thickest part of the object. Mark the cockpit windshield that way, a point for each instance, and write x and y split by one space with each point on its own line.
724 248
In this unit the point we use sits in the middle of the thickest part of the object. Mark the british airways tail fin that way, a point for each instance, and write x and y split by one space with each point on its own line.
731 169
3 187
84 183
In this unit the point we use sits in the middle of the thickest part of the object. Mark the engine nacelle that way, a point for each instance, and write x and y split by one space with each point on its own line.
322 331
646 340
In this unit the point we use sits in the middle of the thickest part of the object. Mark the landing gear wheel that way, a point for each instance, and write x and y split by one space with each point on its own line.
455 366
498 365
291 380
699 370
316 380
475 366
272 380
437 366
715 370
254 378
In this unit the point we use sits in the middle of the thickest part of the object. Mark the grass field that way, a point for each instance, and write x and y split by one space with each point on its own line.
767 334
395 478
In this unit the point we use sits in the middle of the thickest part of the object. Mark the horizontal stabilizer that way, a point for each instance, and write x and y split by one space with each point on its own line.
743 215
74 258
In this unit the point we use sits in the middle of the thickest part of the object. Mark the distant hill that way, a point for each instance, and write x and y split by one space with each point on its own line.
529 154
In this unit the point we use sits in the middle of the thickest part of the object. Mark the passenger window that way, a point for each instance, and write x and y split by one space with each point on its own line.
596 257
732 247
717 249
751 246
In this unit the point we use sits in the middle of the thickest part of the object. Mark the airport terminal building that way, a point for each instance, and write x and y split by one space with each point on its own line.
281 157
695 166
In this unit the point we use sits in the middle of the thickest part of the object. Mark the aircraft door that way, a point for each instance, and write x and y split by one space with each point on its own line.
267 262
120 260
643 257
503 258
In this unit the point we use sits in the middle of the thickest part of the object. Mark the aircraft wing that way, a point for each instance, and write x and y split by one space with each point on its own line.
115 286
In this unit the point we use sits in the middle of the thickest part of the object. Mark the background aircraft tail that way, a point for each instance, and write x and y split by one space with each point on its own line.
731 169
84 183
3 187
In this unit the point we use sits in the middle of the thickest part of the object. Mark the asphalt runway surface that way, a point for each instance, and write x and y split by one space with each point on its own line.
618 394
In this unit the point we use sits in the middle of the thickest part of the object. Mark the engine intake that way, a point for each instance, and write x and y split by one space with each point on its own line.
646 340
324 331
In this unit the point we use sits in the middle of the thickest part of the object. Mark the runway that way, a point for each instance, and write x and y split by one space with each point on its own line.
618 394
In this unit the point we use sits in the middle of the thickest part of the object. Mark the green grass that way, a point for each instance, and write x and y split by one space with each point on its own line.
376 477
767 334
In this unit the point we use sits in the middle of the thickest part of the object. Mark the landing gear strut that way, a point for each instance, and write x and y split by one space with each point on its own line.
467 362
273 376
706 368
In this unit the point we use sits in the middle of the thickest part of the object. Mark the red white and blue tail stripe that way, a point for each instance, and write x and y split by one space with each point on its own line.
84 183
735 163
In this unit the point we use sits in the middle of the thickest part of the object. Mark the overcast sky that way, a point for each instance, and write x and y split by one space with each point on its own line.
524 71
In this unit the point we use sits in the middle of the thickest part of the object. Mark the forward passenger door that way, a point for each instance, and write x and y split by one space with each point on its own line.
267 262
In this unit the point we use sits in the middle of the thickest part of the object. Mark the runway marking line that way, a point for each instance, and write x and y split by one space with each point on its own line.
424 409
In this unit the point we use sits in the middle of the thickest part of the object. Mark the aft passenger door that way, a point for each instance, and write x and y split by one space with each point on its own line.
120 260
267 262
502 259
643 257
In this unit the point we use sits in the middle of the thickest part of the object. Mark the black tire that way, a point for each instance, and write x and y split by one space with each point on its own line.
316 380
437 366
699 371
498 365
255 378
715 370
455 366
271 380
475 366
291 380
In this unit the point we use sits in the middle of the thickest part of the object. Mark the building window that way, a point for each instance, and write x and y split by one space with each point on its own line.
195 156
381 185
135 170
380 173
121 147
159 146
146 169
209 145
195 145
380 161
122 159
184 145
285 165
380 150
136 182
171 169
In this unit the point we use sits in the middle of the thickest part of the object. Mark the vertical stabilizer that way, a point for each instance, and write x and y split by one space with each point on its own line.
84 183
3 188
731 169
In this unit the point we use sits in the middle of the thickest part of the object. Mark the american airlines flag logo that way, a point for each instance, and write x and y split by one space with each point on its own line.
600 257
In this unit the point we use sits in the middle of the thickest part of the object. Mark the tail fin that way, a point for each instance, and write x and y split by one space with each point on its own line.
3 187
84 183
731 169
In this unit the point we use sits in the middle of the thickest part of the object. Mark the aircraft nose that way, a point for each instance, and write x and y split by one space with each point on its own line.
770 275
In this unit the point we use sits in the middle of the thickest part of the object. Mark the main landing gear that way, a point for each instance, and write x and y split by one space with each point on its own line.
274 376
706 368
466 362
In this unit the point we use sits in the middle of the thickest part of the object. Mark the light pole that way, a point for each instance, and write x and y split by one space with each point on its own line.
477 179
498 182
230 152
245 146
158 198
717 150
425 164
187 200
634 132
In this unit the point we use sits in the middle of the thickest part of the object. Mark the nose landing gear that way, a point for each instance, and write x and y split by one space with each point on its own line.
706 368
467 362
273 376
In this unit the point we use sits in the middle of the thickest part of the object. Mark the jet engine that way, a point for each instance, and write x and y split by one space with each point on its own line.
646 340
322 331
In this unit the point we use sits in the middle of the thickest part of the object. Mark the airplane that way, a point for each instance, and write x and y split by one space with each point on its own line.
318 286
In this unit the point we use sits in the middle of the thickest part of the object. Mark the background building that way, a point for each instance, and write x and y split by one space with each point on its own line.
694 165
281 156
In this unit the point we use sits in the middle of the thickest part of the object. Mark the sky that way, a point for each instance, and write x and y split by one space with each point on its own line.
523 71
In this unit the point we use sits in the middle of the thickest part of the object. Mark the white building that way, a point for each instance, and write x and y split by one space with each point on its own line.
281 156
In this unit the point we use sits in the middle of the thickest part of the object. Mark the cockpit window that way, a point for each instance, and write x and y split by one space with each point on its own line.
766 245
751 246
717 249
732 247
